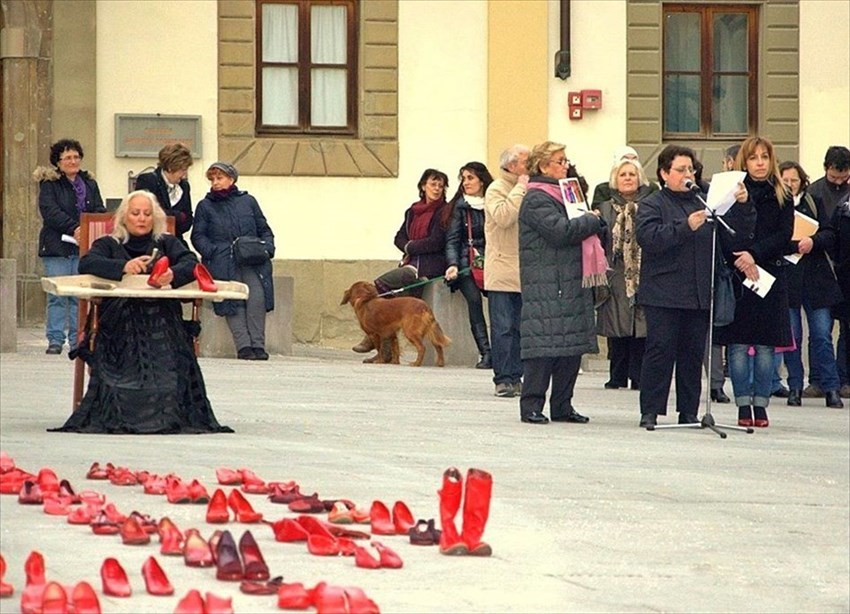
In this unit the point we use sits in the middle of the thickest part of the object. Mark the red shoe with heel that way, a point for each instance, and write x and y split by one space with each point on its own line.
205 280
159 268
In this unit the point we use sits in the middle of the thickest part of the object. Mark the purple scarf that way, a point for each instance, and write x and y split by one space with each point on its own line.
80 192
594 264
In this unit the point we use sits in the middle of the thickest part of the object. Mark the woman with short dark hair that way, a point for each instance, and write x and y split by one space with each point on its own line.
169 184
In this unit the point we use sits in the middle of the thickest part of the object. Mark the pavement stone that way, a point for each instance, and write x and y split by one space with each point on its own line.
585 518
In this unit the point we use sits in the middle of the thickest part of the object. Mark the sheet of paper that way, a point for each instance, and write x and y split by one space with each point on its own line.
69 239
721 192
763 285
804 226
793 258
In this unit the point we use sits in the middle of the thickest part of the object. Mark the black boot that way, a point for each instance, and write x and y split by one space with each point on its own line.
794 397
479 333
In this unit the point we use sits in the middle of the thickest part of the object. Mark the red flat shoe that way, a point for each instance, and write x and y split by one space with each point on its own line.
285 495
252 484
96 472
341 514
228 477
217 512
331 503
102 525
170 538
114 579
84 600
294 597
228 565
402 518
155 485
6 589
34 569
47 481
112 513
156 582
122 476
176 491
329 598
56 505
197 493
7 463
381 522
196 551
133 534
357 601
322 545
148 524
205 280
92 497
253 587
54 600
12 481
158 269
389 558
80 515
252 558
191 603
424 533
307 505
363 558
218 605
287 530
65 490
30 494
243 510
314 526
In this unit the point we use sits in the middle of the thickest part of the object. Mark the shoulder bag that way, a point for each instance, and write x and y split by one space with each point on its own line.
476 260
249 251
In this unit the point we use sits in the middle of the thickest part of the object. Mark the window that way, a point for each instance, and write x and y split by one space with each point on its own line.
710 66
306 67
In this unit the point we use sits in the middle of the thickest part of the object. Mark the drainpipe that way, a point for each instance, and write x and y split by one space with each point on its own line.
562 57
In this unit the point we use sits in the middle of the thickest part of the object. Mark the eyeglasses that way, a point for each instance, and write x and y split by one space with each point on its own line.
562 162
685 170
70 158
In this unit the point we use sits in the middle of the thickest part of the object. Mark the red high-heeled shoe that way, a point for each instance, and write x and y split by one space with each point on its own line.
30 493
228 565
170 537
219 605
198 493
132 532
176 491
205 280
294 596
47 480
65 490
84 599
54 599
402 518
196 551
243 510
156 582
252 558
380 519
191 603
213 542
114 579
159 268
217 512
148 524
6 589
34 569
56 505
329 598
322 545
252 483
102 525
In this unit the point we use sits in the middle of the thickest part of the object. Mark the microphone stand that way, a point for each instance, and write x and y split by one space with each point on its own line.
707 421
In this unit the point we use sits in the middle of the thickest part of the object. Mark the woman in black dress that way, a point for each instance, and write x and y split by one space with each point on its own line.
145 377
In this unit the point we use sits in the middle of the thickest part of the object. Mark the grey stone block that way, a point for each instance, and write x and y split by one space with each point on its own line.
8 305
451 312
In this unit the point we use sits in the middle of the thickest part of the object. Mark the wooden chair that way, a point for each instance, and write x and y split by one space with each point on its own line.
92 227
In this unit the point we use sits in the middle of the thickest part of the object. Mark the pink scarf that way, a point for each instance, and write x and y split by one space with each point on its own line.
594 264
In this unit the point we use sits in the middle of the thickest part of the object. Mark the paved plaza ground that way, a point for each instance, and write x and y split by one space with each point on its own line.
603 517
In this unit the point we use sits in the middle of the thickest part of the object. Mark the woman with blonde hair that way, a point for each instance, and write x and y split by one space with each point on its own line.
618 316
760 322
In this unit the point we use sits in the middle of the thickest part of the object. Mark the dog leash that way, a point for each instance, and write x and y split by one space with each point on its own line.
425 282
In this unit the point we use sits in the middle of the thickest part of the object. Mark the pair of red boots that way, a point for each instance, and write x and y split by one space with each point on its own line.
476 510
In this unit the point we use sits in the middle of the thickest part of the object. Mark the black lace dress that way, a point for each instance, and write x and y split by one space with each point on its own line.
145 378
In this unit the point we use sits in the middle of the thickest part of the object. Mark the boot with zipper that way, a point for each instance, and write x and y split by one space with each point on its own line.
482 340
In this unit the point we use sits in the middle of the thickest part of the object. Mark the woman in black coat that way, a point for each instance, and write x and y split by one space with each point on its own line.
675 286
421 236
224 215
841 255
145 377
464 218
762 323
168 183
556 326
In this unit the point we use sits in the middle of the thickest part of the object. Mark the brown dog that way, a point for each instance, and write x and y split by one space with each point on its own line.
382 318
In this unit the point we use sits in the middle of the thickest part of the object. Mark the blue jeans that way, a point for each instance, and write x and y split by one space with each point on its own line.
821 356
61 310
505 309
756 393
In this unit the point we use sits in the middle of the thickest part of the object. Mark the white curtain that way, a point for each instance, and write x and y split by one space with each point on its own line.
328 45
280 44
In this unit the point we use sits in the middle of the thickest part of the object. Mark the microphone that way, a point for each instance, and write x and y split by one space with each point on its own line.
692 186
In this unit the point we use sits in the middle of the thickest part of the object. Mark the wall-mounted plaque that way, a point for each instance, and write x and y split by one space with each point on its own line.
143 135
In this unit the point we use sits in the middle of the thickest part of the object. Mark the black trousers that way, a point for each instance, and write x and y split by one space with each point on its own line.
626 357
536 375
675 337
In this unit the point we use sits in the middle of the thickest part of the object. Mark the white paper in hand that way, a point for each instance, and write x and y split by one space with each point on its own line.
721 192
761 286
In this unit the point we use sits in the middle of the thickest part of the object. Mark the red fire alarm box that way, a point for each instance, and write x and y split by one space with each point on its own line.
591 99
574 99
575 112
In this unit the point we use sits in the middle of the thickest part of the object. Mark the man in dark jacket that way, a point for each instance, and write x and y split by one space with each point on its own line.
64 192
168 183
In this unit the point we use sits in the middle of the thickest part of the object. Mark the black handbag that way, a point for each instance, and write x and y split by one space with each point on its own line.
249 251
724 294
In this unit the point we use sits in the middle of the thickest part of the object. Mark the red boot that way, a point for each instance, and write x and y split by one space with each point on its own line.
450 495
476 509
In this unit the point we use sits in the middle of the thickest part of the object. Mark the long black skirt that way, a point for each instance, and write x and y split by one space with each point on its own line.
145 377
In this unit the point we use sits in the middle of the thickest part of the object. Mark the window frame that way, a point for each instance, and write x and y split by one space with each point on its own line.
304 66
707 72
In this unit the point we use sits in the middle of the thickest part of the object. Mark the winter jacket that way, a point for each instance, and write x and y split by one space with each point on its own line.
557 312
428 254
57 203
762 321
501 232
829 195
812 278
457 235
181 211
618 315
107 258
219 220
841 255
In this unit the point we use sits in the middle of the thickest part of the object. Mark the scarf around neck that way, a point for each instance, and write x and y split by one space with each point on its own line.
420 220
594 264
625 244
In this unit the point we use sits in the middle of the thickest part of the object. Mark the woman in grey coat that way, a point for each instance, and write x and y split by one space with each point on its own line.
618 317
557 324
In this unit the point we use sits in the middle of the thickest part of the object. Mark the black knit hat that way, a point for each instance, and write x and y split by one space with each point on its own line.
226 168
